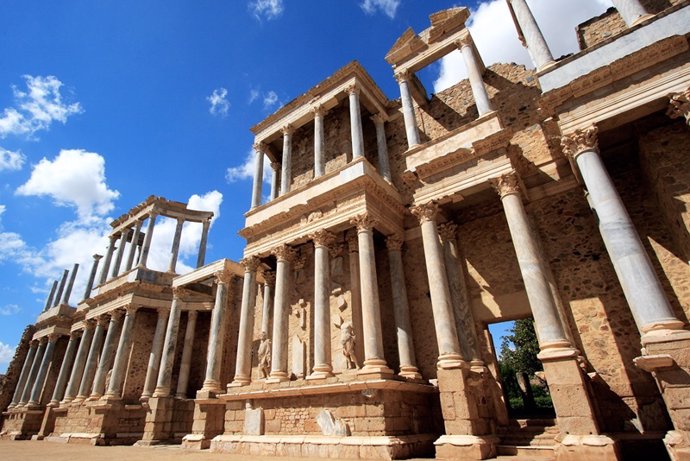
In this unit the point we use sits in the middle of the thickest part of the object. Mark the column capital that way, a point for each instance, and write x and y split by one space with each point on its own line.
116 315
378 119
425 211
102 320
336 249
318 110
402 76
191 315
97 257
352 242
322 238
287 130
131 309
364 222
270 278
448 231
178 292
394 242
42 340
679 106
163 311
506 184
75 334
284 253
153 213
352 88
260 147
580 141
89 324
222 277
53 337
250 263
464 41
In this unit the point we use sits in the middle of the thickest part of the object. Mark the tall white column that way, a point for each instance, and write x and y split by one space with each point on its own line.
175 249
70 284
201 257
355 292
275 176
92 276
411 128
164 379
631 11
481 97
108 259
319 160
243 363
155 354
259 149
40 381
61 288
107 355
133 245
120 253
186 362
24 375
643 291
286 171
92 359
441 304
146 247
382 147
80 361
323 367
270 283
67 365
216 335
531 35
35 366
284 256
122 356
355 122
51 296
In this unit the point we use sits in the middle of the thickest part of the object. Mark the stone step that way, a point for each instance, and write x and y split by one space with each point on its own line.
526 452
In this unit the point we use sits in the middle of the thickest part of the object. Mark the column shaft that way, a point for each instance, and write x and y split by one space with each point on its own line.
275 176
107 355
133 246
186 363
281 313
258 177
175 248
355 123
355 294
120 253
269 277
481 97
31 380
319 161
215 339
322 309
79 362
534 40
286 171
61 288
122 355
243 363
201 259
70 284
153 367
384 162
43 371
411 129
91 361
164 381
108 259
144 256
24 375
631 11
51 296
65 368
92 276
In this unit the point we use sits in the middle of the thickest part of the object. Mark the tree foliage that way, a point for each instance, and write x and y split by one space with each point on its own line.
519 349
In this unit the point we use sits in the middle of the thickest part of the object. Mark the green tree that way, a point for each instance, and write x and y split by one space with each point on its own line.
520 348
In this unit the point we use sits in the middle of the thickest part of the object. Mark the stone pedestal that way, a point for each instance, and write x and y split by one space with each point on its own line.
208 423
158 425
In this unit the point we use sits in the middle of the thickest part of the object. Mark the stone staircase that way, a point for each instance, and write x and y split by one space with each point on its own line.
529 438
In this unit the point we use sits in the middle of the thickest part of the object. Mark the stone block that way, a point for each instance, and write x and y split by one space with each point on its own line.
254 421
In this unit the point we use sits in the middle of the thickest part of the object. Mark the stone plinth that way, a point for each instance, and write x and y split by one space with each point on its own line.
208 423
159 417
22 423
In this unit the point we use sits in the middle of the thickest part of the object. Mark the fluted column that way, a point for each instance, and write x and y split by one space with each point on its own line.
133 246
216 335
70 284
24 375
323 367
61 288
355 122
441 304
284 256
243 363
146 247
35 366
43 370
275 176
286 171
481 97
154 364
411 129
382 147
259 149
164 381
175 248
270 283
67 365
643 291
80 361
531 35
105 362
120 253
51 296
631 11
319 160
201 258
401 309
92 276
374 358
120 367
186 362
108 259
355 292
92 359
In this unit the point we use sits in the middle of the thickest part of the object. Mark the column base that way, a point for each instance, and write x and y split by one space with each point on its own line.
409 372
315 375
665 335
239 382
589 447
454 447
277 377
161 392
450 362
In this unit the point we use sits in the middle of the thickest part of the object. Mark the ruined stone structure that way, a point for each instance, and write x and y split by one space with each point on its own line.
396 231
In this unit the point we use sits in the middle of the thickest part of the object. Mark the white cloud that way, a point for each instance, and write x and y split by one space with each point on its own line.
6 354
37 107
10 160
9 309
253 95
388 7
270 99
74 178
219 103
496 38
246 170
2 209
267 9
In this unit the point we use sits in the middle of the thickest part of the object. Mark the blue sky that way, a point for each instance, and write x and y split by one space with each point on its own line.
104 103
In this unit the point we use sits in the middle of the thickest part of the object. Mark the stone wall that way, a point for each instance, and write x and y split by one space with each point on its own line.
138 354
9 383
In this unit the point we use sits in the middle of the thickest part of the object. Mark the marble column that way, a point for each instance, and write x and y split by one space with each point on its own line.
154 364
70 284
108 259
120 253
133 246
146 247
374 358
319 153
531 35
411 128
275 176
61 288
201 258
186 362
322 367
51 296
286 171
382 147
259 149
281 305
356 134
42 374
175 248
401 309
24 375
355 291
270 283
107 355
481 97
216 335
631 11
92 359
92 276
164 381
643 291
243 363
441 304
67 365
80 361
35 366
121 357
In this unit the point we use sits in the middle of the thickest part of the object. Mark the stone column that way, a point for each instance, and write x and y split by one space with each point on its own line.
323 367
35 366
153 367
481 97
108 259
92 276
355 292
270 283
411 128
133 246
80 361
259 149
631 11
643 291
70 284
186 363
374 359
216 335
107 355
120 253
284 256
61 288
275 176
164 381
441 304
24 375
40 381
384 162
92 359
243 363
355 122
51 296
175 248
67 365
201 258
286 172
121 357
319 160
146 247
530 35
401 309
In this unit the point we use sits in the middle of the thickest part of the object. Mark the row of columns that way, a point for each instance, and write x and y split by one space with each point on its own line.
60 294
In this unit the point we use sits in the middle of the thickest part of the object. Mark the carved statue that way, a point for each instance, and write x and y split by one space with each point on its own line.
265 355
347 340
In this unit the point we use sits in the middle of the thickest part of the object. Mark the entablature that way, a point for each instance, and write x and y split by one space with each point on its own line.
159 206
